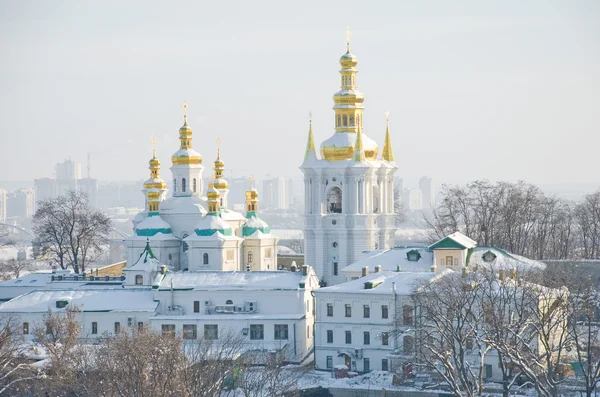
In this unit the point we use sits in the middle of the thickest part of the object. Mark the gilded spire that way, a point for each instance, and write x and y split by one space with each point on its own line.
310 143
185 155
359 154
387 153
251 199
348 34
219 167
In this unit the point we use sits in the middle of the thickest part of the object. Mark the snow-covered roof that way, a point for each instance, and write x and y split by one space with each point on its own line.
89 300
258 235
392 258
212 224
217 235
186 153
153 225
346 139
32 279
230 215
458 238
146 262
500 259
208 280
182 205
406 283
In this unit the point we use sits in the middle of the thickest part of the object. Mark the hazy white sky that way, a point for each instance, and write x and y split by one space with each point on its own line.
476 89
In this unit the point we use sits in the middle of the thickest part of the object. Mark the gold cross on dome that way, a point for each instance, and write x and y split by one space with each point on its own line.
310 116
154 143
348 34
251 180
387 116
185 106
218 148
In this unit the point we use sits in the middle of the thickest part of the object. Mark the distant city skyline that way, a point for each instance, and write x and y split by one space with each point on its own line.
503 90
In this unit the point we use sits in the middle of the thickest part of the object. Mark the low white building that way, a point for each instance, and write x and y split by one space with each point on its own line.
270 310
355 320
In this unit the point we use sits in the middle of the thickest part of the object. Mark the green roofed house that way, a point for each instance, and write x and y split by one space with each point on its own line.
452 251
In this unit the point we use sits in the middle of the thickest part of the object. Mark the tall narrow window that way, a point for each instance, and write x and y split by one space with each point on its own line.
330 310
351 121
366 311
250 256
205 258
175 185
183 185
366 365
139 279
117 327
329 336
348 310
194 185
196 306
385 338
335 268
25 328
348 337
94 328
339 120
366 338
384 311
345 120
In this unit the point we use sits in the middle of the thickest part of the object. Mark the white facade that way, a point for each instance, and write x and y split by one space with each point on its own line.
354 324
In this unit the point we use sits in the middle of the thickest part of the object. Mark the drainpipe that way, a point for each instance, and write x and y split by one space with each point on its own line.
295 351
395 316
314 328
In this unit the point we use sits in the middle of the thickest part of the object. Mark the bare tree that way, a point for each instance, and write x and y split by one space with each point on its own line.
12 268
448 332
399 206
588 217
69 232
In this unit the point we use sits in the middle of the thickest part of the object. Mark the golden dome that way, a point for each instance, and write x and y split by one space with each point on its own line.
251 194
220 184
212 193
341 147
186 155
348 60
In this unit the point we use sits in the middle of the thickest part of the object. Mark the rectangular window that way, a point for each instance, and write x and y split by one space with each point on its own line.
329 336
281 331
488 370
196 306
456 261
257 332
366 338
348 311
229 255
366 365
307 305
385 338
268 252
211 331
190 331
408 343
168 329
407 315
25 328
384 364
449 261
366 311
94 328
140 326
335 268
117 327
348 337
330 310
384 311
329 362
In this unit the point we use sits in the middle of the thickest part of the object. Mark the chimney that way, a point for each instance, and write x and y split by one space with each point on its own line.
293 267
305 270
163 269
513 273
502 274
365 271
399 268
433 268
464 271
377 268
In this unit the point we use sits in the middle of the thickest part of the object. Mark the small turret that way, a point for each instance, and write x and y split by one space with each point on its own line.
388 153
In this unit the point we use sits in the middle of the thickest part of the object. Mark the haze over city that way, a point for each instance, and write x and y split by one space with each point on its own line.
498 90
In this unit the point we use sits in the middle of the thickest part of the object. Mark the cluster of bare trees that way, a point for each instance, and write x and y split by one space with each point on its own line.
530 325
139 361
520 218
69 233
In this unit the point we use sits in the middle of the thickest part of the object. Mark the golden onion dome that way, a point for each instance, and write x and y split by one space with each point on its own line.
251 194
186 155
155 183
154 162
341 147
185 130
212 193
220 184
348 61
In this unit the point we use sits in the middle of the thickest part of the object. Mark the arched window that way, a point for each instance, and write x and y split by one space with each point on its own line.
339 120
194 185
174 185
139 279
221 201
205 258
183 185
375 199
229 302
250 256
345 120
334 200
352 121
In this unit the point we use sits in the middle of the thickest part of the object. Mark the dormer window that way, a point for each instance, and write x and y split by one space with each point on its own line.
61 304
488 257
413 256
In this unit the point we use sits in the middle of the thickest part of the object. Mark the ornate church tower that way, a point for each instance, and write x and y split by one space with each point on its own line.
187 164
349 192
218 182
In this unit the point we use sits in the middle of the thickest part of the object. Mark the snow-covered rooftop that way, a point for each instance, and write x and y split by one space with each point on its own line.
392 258
208 280
89 300
502 260
459 238
406 282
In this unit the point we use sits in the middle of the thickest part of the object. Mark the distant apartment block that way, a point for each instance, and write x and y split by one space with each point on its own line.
278 193
68 178
428 193
20 204
2 205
